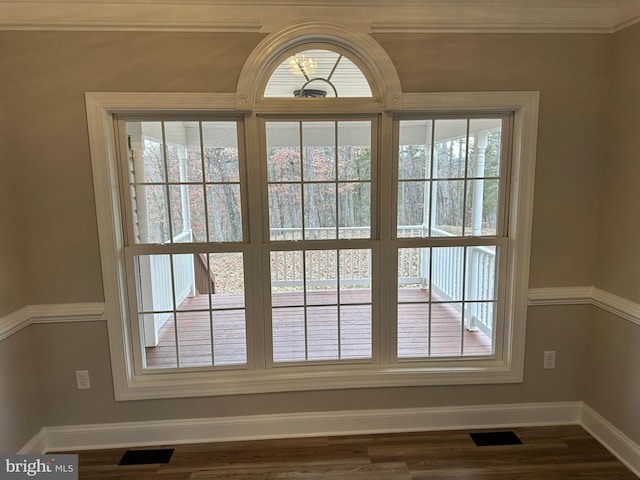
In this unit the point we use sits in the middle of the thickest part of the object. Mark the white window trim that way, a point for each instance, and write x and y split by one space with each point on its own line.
128 386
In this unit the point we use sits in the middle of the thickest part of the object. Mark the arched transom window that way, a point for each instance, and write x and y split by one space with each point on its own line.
317 72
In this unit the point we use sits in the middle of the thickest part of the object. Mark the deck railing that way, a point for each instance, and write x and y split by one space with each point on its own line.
159 279
447 267
446 271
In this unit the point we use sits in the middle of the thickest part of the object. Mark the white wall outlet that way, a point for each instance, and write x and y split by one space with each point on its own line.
82 379
550 359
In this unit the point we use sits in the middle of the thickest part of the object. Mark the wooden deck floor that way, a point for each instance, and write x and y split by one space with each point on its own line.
319 337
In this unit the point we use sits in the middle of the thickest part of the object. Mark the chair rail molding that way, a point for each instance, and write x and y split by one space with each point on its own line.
95 312
590 295
54 313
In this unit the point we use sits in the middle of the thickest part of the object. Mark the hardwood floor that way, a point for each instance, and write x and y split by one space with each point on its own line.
546 453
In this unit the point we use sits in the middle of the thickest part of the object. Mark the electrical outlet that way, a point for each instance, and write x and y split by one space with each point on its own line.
550 359
82 379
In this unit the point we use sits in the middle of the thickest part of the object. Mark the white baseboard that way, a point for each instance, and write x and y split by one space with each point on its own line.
130 434
37 444
625 449
256 427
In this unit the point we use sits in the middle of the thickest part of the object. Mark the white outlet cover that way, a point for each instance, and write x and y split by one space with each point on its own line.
550 359
82 380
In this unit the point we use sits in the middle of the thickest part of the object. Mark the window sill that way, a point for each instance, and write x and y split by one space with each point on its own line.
290 379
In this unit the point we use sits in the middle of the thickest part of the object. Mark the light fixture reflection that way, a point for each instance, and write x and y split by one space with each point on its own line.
302 65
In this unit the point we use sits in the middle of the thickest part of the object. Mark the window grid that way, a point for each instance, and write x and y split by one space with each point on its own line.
475 312
333 259
177 320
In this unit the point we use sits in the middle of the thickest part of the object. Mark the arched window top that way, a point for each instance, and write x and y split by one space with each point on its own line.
348 65
317 72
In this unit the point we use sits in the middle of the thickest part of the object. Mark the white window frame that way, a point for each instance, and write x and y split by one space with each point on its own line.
388 100
129 385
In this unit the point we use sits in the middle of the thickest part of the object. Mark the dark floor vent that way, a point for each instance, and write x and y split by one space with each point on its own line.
146 457
486 439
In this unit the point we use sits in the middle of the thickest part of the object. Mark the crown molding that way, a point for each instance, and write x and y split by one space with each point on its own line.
366 16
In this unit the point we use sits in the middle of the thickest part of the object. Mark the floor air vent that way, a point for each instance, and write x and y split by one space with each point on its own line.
145 457
486 439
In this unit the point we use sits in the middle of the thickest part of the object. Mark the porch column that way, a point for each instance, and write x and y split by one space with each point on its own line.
481 141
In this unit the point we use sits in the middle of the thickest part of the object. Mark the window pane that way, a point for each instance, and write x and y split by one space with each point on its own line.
322 333
320 211
329 312
481 273
194 339
319 151
197 213
446 329
283 151
287 278
480 325
183 151
220 140
321 281
414 151
430 313
447 214
207 293
413 270
486 138
354 150
355 276
168 194
152 217
413 208
355 331
285 212
327 72
229 337
289 334
447 265
166 357
450 148
180 213
413 330
333 154
482 207
225 218
147 151
354 209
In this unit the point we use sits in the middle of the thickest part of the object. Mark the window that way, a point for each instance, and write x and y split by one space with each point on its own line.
451 206
320 177
311 243
184 250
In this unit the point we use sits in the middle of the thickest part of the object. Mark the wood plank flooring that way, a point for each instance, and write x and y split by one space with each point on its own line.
546 453
319 336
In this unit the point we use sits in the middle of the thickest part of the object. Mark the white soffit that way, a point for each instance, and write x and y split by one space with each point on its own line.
368 16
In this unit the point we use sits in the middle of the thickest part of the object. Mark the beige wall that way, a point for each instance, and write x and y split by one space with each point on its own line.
614 358
67 347
21 399
13 293
46 75
571 73
618 270
613 366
